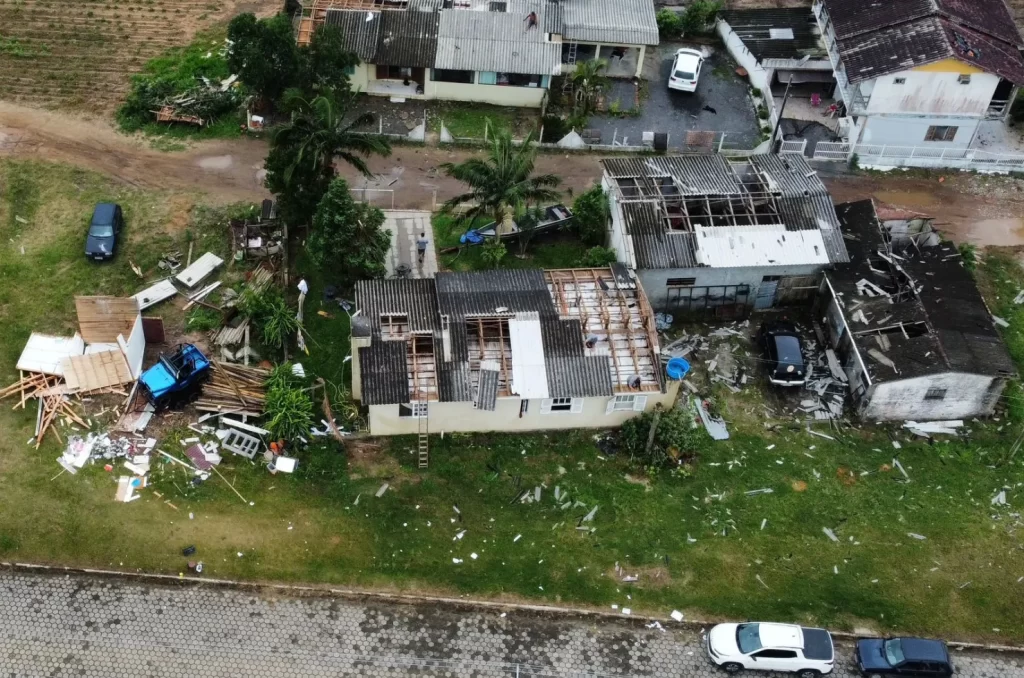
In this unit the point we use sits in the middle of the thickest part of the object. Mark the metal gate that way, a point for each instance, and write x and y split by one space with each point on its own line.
796 289
766 292
717 300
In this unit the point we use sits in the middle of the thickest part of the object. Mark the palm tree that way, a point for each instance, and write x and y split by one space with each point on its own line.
502 182
588 82
318 132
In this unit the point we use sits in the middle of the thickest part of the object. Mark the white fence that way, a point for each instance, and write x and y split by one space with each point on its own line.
793 146
920 156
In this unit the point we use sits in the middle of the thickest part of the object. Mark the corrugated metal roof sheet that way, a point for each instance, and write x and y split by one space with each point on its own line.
753 27
487 393
529 374
494 41
501 292
738 246
408 38
361 30
571 373
415 297
654 246
384 373
612 22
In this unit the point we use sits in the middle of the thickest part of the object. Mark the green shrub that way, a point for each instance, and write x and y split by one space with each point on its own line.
590 216
554 128
969 255
700 16
289 408
676 441
670 24
762 112
202 319
596 257
493 252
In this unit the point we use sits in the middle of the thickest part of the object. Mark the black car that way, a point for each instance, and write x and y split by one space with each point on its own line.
903 657
105 227
783 347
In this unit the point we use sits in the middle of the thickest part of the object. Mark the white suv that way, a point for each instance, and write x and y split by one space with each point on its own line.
808 653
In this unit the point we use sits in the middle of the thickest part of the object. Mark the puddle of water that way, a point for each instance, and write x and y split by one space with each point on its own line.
216 162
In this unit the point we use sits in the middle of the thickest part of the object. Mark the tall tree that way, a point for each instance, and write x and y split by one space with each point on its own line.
263 53
325 64
300 166
502 182
347 237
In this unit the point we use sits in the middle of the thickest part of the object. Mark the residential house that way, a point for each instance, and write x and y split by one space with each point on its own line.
922 72
501 52
709 232
908 324
780 48
506 350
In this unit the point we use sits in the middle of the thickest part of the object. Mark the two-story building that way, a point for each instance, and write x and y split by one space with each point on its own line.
501 52
921 72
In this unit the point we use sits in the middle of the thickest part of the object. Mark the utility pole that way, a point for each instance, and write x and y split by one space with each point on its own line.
782 109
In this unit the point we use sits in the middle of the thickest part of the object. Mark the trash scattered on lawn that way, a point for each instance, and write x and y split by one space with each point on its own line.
914 535
382 490
930 428
830 534
999 499
677 615
763 490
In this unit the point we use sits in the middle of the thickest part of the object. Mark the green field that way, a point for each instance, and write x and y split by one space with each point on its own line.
696 541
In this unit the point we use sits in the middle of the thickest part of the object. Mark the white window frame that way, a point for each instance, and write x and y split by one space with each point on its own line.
419 410
626 403
575 405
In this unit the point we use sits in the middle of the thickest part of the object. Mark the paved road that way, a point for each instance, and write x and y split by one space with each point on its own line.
81 626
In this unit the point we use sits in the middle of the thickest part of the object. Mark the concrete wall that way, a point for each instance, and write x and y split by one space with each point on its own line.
526 97
934 92
655 281
618 239
463 417
759 77
357 373
361 76
911 131
833 322
967 395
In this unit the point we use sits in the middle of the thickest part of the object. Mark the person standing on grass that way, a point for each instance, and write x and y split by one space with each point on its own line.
421 247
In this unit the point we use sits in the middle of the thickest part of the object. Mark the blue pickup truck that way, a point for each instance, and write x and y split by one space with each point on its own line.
177 378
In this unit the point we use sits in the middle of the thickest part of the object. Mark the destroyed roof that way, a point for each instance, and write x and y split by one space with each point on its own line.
877 38
930 312
361 30
770 33
448 308
665 201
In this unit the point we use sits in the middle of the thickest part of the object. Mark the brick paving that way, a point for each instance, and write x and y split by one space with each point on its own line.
62 625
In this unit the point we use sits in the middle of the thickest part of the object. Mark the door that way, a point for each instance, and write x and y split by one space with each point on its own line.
766 292
774 660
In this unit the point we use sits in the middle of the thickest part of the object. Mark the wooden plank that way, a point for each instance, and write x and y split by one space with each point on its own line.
101 319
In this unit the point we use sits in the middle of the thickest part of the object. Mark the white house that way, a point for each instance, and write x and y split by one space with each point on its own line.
501 52
921 72
506 350
704 232
909 326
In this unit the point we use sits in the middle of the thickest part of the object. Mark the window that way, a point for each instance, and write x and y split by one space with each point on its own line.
511 79
940 133
935 394
775 654
496 6
899 81
626 403
393 73
681 282
443 75
414 410
562 405
964 79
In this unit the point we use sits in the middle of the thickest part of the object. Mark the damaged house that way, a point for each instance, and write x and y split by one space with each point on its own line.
705 232
505 350
909 325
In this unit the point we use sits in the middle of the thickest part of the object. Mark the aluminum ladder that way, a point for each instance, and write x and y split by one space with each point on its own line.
423 446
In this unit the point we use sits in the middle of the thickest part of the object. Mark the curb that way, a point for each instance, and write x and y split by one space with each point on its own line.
406 598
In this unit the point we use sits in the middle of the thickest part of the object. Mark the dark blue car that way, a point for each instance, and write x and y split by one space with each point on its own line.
105 227
903 657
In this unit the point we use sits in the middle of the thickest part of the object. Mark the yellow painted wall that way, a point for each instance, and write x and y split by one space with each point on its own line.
526 97
463 417
361 77
949 66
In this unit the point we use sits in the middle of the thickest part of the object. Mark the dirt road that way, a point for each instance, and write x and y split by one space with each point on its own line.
978 209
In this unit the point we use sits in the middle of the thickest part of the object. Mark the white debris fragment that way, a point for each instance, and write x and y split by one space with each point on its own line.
999 499
518 537
914 535
677 615
830 534
764 522
382 490
457 561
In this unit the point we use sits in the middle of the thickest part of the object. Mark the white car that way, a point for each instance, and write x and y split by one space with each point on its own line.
685 70
809 653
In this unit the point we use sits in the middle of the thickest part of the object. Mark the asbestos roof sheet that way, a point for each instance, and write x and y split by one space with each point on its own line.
494 41
407 38
487 393
754 27
738 246
361 30
570 372
416 298
384 373
610 22
493 293
529 373
653 244
693 174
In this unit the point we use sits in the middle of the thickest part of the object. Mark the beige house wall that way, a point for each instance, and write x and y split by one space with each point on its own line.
463 417
360 77
524 97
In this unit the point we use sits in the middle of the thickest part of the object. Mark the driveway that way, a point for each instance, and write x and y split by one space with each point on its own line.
78 625
720 104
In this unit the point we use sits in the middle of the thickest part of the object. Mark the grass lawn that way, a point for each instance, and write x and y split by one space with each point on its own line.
470 120
556 250
697 542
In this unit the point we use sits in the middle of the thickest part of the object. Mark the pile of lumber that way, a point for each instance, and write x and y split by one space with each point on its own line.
30 385
235 389
52 406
